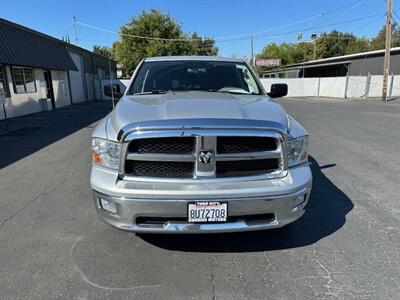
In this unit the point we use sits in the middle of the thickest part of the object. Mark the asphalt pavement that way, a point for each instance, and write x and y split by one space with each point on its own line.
346 246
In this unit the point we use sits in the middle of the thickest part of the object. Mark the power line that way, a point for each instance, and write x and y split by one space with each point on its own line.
353 4
321 25
394 12
324 25
61 29
139 36
318 26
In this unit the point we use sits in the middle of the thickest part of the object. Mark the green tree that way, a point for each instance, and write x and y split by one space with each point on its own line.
103 51
336 43
203 46
131 49
378 42
328 44
289 53
358 45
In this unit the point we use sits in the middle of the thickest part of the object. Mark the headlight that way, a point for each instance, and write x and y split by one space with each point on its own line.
106 153
297 151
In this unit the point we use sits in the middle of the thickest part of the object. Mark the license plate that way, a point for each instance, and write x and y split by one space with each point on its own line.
208 211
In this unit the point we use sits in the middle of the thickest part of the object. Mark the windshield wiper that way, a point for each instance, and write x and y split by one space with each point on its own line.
231 92
152 92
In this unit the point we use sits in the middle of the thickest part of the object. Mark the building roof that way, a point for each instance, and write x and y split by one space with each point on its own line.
341 59
21 46
194 57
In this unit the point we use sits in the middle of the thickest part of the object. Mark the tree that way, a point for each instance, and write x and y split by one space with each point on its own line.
328 44
378 42
289 53
131 49
203 46
103 51
336 43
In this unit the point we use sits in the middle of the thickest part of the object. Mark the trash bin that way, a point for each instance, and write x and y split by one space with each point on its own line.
45 104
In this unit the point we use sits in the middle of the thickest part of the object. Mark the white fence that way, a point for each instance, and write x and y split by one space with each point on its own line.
337 87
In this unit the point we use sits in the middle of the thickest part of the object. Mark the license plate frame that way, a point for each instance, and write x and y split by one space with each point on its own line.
207 212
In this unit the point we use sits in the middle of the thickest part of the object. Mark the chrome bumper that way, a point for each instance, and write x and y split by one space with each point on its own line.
286 209
285 198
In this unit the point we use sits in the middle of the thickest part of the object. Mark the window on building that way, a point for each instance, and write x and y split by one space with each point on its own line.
24 80
3 81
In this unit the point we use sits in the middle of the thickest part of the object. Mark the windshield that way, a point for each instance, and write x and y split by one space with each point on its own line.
209 76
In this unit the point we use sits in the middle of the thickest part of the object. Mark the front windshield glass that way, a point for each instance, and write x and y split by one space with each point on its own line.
209 76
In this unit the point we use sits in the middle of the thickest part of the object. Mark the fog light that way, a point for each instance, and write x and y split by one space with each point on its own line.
108 206
298 201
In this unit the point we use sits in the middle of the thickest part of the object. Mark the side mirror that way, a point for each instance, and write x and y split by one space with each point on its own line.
278 90
117 95
116 92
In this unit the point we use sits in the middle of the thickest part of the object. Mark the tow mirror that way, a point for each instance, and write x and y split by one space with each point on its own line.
278 90
116 92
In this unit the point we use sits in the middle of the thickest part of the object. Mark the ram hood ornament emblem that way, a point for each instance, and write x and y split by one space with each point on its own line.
205 157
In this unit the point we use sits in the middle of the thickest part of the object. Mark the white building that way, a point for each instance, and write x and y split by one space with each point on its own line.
39 72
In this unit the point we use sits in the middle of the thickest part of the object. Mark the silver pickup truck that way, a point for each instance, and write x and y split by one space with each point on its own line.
195 145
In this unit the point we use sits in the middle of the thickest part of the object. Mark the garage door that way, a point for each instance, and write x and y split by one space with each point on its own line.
77 79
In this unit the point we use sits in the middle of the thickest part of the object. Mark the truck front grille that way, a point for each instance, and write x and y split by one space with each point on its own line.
165 169
246 167
204 157
237 144
163 145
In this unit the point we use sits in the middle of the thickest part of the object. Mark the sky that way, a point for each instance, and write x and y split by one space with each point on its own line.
229 21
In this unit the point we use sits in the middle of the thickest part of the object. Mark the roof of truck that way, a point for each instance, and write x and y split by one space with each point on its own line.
191 58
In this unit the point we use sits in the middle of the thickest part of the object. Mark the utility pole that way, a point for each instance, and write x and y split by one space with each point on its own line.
111 83
386 62
252 50
74 24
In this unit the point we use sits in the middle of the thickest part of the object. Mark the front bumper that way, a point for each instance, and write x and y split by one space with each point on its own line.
284 199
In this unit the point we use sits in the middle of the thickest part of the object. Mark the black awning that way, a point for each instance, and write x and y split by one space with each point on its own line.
23 47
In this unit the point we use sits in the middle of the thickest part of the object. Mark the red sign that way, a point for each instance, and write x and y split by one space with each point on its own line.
272 62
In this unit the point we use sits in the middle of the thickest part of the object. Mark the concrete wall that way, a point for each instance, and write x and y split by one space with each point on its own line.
332 87
306 87
394 89
337 87
357 86
298 87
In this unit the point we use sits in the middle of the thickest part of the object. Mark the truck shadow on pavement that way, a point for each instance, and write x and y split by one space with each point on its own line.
325 214
30 133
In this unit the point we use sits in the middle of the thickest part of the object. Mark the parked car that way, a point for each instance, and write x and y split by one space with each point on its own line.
196 145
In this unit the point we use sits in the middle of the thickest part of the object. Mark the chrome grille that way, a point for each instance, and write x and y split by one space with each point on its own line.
163 145
166 169
205 156
237 144
246 167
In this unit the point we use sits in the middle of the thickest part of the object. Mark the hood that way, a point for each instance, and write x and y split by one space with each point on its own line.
192 105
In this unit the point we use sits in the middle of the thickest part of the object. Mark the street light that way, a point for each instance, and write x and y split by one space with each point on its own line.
314 39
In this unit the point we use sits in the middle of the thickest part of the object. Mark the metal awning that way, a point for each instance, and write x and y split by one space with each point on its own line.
300 67
323 65
20 46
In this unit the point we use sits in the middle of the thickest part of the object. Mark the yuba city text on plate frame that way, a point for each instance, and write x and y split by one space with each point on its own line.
207 212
